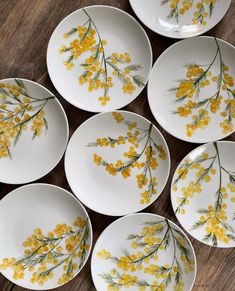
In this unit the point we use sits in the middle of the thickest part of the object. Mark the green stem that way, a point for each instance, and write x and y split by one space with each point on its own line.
219 199
100 41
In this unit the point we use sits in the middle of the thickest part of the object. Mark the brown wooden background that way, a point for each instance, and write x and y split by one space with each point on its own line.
25 29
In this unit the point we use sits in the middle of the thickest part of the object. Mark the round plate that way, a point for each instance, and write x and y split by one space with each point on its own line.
46 236
99 58
193 97
203 193
142 252
180 18
33 131
117 163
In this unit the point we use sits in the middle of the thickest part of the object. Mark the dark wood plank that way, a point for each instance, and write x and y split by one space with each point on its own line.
25 28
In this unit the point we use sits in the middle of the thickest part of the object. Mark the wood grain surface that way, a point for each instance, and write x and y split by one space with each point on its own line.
25 29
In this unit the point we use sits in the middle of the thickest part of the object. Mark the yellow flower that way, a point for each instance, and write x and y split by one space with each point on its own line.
215 104
182 173
194 71
111 169
68 65
128 88
185 89
231 186
126 173
227 126
80 222
118 117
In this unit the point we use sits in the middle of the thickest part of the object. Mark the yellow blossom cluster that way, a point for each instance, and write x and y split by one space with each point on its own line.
186 109
135 160
202 10
96 67
148 245
118 117
214 224
185 89
187 193
213 218
45 247
16 111
196 79
146 195
200 121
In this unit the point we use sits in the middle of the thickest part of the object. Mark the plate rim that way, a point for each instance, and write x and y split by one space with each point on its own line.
110 112
83 209
67 131
82 107
143 214
178 37
171 193
155 115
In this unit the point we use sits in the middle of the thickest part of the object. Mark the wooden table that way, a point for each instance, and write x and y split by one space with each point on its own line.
25 29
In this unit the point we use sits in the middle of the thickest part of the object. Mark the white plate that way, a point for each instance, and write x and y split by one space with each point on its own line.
180 18
32 219
191 90
114 160
203 193
143 252
99 58
34 131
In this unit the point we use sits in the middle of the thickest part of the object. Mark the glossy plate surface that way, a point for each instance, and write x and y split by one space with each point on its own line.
117 163
191 90
203 193
180 18
143 252
46 236
33 131
99 58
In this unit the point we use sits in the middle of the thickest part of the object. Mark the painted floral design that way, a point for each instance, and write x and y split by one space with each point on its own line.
18 110
153 241
203 9
213 218
193 102
63 247
144 160
99 69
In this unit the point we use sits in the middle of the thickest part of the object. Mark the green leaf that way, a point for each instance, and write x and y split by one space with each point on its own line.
45 122
198 224
138 80
133 67
70 268
18 135
214 240
134 236
211 9
20 83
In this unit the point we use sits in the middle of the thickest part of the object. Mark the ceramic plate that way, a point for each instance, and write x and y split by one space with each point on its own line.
203 193
33 131
193 96
117 163
46 236
143 252
99 58
180 18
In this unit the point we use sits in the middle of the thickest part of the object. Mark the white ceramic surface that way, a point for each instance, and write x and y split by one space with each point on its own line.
109 166
180 18
115 31
44 211
203 193
28 153
143 250
191 90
